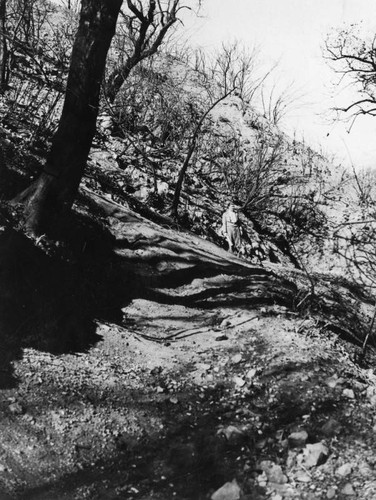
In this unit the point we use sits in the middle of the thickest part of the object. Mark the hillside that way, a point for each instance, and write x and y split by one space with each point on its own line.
195 369
141 360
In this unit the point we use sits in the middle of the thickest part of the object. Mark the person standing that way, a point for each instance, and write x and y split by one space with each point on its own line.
231 228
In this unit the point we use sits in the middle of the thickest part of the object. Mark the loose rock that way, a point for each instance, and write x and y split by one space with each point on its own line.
251 373
276 496
349 393
344 470
229 491
348 490
331 427
273 472
303 477
16 409
232 434
332 382
315 454
240 382
331 493
236 358
298 439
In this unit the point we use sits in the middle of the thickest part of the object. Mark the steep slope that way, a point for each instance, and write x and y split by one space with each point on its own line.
288 191
207 373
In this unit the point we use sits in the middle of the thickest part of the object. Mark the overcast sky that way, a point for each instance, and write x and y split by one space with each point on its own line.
292 32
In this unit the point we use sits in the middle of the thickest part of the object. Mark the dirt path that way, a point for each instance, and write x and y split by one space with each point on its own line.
193 385
181 400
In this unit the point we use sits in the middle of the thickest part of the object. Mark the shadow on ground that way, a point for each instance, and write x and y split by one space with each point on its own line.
189 458
50 299
51 304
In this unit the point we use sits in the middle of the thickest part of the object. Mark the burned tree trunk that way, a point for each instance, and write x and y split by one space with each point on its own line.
3 47
52 194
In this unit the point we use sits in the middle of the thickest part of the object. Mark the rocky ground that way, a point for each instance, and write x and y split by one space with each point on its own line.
209 381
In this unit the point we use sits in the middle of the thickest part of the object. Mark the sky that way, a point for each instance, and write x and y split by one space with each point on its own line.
292 32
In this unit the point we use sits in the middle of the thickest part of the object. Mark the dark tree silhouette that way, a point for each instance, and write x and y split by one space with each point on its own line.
146 24
354 59
52 194
3 47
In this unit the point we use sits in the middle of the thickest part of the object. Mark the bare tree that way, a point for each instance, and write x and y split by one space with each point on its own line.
25 23
354 60
191 149
232 62
3 47
144 26
254 179
53 193
277 102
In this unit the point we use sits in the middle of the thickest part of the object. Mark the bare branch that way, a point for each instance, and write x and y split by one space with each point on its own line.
355 60
147 27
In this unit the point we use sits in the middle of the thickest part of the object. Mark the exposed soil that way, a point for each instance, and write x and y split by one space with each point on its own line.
174 369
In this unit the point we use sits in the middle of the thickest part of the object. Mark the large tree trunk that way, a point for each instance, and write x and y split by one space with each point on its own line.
53 193
3 47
